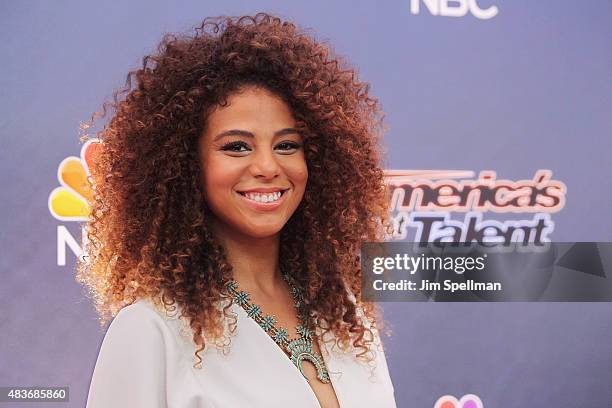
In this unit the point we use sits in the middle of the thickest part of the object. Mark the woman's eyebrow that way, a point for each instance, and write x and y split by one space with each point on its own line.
233 132
239 132
286 131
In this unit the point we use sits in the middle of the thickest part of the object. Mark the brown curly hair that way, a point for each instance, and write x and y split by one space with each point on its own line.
148 233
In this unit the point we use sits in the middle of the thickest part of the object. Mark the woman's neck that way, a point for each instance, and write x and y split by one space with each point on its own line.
254 260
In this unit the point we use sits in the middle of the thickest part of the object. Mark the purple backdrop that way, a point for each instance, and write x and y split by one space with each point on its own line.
527 89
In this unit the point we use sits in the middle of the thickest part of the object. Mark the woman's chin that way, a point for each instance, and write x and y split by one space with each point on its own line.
263 231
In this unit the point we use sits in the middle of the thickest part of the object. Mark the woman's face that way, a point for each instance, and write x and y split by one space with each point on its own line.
253 163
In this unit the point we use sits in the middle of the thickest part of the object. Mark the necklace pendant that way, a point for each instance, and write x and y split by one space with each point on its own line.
301 351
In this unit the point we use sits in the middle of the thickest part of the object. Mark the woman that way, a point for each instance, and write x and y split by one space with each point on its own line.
237 179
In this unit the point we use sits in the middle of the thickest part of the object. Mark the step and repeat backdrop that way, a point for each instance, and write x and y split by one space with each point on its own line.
511 99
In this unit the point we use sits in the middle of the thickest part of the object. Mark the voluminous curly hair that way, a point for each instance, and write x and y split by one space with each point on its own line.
148 234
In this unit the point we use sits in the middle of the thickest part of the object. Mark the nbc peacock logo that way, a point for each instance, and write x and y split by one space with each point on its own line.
70 202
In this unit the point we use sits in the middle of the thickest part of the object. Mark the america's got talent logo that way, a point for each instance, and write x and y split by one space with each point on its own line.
422 202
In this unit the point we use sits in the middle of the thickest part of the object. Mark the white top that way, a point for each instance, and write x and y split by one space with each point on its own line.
146 361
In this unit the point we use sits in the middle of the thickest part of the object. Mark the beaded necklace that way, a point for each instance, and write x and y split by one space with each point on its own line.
298 350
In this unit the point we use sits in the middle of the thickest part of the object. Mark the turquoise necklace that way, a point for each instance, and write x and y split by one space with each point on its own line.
300 349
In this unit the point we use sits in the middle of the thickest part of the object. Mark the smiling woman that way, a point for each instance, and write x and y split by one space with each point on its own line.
237 179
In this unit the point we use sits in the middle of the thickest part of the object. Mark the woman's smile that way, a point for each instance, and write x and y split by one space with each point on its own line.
264 199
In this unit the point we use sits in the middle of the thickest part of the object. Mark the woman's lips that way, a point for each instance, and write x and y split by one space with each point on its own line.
251 199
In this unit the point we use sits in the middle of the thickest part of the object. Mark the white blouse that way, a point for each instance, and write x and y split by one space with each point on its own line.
146 361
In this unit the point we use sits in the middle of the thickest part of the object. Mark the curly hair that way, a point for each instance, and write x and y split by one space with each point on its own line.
148 234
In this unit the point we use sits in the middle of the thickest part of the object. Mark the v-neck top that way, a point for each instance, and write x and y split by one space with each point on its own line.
147 357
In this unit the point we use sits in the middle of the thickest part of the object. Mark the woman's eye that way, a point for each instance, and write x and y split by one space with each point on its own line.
236 147
289 147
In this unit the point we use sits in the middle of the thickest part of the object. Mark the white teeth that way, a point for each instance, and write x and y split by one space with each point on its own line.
263 198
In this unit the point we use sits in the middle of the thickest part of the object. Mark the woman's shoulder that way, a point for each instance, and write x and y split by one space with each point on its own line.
140 350
144 319
142 313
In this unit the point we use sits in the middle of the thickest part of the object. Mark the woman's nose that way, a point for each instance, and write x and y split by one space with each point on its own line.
264 164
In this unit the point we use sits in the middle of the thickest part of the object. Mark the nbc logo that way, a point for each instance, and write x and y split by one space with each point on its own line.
71 200
467 401
456 8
